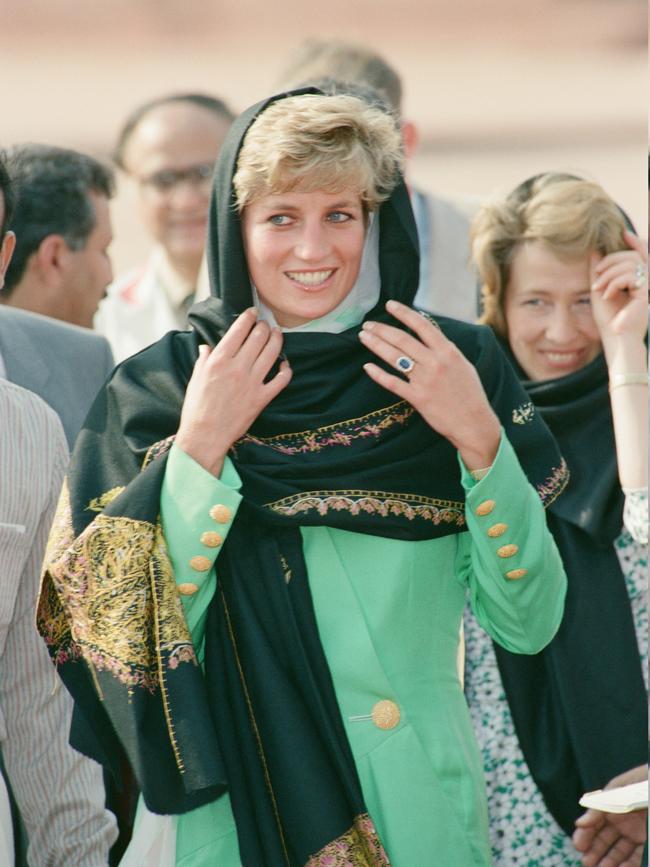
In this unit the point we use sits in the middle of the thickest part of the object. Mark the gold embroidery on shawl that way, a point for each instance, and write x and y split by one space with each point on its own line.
524 413
51 619
98 504
358 847
107 591
339 434
358 502
550 489
157 449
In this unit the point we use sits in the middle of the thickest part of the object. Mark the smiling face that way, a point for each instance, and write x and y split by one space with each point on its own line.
171 154
547 306
304 251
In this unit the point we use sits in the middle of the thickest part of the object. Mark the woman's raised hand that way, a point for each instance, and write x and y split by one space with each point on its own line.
619 291
442 384
227 392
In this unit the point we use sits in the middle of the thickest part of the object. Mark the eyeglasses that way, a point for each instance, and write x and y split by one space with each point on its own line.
163 182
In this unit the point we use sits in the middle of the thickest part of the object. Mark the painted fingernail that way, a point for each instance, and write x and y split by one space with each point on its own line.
392 305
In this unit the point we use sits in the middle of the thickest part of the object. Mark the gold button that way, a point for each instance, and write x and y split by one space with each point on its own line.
497 530
211 539
515 574
485 507
200 564
187 589
385 714
507 550
220 513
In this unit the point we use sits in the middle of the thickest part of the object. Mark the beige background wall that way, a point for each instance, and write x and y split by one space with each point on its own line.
500 89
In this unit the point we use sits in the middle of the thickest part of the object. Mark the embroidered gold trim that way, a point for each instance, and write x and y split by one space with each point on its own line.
340 434
524 414
358 847
359 502
103 590
158 449
98 504
550 489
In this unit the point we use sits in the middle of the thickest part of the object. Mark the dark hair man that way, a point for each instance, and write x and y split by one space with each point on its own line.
59 792
60 267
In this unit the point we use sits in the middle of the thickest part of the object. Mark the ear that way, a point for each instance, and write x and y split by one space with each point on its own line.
6 252
410 138
52 259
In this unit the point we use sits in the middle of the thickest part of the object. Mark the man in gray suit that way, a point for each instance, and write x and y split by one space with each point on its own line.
448 283
62 363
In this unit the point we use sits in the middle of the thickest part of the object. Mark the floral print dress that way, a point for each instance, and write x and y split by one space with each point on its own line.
523 833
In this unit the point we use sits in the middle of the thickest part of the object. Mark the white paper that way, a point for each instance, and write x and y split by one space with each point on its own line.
621 800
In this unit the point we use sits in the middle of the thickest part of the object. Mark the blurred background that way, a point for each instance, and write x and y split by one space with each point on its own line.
500 90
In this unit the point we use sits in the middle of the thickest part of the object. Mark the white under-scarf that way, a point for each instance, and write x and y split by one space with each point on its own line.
363 296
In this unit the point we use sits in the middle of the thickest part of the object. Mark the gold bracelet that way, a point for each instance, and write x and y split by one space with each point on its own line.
617 380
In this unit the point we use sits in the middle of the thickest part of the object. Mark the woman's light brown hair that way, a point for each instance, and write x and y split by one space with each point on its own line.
570 216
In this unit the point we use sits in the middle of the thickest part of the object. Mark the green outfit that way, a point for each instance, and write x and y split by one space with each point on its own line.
388 614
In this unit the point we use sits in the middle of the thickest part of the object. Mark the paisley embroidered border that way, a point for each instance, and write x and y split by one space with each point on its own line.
373 503
158 449
340 434
358 847
550 489
97 598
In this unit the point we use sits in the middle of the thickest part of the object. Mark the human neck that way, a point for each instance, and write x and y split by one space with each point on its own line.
29 294
186 270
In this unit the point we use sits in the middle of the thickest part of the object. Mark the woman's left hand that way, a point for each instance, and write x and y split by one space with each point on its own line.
442 385
619 291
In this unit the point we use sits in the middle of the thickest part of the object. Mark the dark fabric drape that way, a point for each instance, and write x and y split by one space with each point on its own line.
579 706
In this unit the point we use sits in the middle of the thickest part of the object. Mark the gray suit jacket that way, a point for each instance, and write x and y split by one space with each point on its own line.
64 364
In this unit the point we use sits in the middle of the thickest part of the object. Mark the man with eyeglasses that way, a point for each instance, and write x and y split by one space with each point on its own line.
168 148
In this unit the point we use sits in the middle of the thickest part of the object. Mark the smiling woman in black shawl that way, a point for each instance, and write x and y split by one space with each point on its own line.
255 587
579 707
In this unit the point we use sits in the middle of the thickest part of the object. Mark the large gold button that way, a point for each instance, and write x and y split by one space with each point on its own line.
200 563
497 530
507 550
211 539
485 507
187 589
385 714
515 574
220 513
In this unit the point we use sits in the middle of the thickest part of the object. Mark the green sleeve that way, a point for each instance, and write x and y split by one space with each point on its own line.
196 512
509 559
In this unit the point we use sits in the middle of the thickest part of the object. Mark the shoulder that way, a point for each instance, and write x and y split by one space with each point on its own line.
44 328
26 416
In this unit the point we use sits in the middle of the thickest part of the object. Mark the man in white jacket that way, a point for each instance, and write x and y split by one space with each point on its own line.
168 148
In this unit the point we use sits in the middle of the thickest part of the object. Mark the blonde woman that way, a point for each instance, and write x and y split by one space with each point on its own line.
564 284
277 655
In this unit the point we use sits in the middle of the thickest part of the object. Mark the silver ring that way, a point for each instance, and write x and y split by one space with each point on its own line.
405 364
640 276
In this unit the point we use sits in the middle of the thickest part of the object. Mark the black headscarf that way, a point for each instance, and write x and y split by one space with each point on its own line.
332 449
579 706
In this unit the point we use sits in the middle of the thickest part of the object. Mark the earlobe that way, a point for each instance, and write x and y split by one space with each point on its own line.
6 252
52 258
410 138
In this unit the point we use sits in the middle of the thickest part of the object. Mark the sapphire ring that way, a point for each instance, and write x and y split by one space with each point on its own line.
405 364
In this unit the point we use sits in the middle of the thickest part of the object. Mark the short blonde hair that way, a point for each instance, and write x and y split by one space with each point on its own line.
571 216
315 142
